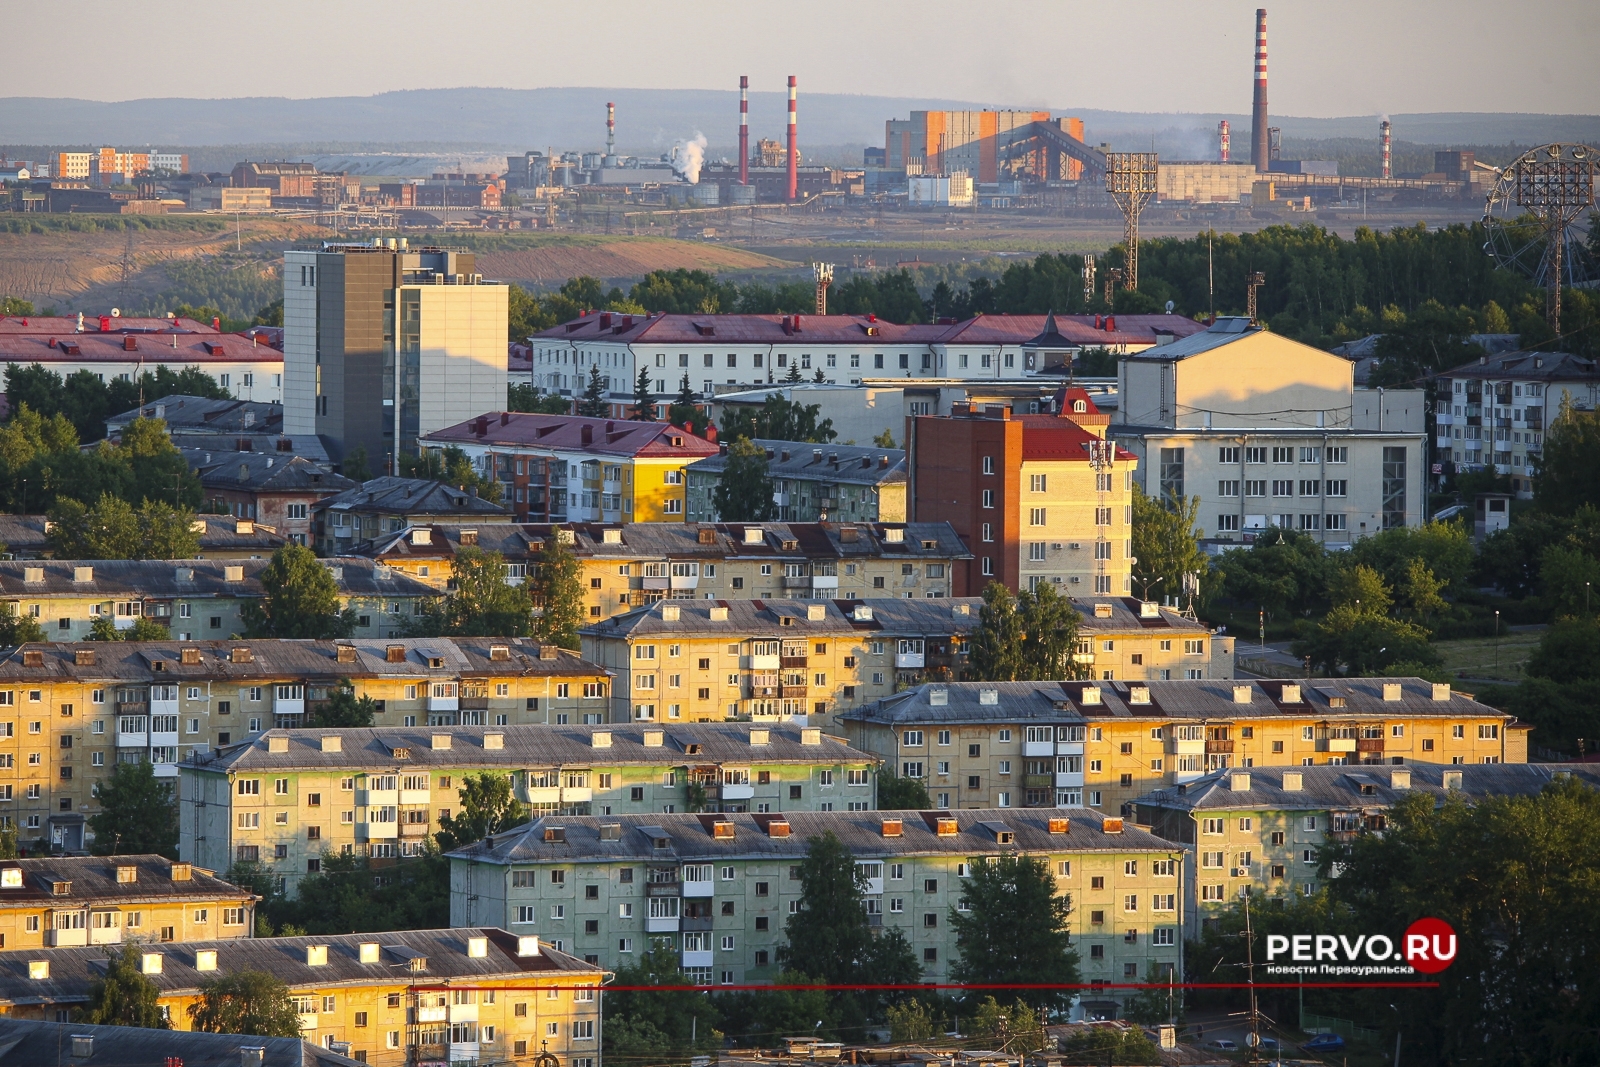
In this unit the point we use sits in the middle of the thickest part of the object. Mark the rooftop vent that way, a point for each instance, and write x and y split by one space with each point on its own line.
759 736
654 738
39 970
33 657
439 742
670 613
369 953
810 735
205 959
816 612
1241 694
861 613
1293 781
600 739
1400 778
1441 690
1090 694
394 653
528 945
233 574
240 654
1452 780
891 827
345 653
610 831
722 830
499 653
492 741
1149 609
1289 694
938 696
33 574
1138 694
316 955
706 536
150 962
477 947
1239 781
961 611
11 878
84 657
1110 825
332 743
556 834
278 743
719 614
778 827
945 825
127 874
421 535
1102 611
611 537
894 535
1392 691
83 574
754 535
989 696
182 872
1060 824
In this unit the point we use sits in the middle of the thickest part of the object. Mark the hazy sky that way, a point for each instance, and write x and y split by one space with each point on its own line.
1351 57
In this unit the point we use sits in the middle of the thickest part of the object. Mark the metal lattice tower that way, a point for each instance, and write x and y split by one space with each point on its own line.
824 275
1088 279
1554 184
1254 282
1131 181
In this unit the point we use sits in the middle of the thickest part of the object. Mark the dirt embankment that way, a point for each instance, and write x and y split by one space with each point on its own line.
554 263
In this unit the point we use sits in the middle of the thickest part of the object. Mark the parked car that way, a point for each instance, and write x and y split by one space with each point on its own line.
1324 1043
1222 1044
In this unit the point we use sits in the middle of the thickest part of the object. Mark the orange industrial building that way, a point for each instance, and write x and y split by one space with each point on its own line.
987 145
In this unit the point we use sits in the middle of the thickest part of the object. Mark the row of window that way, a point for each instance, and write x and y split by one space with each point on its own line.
1284 454
1283 487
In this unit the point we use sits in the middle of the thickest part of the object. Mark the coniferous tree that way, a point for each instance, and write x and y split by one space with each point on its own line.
557 590
595 403
644 401
1002 896
685 412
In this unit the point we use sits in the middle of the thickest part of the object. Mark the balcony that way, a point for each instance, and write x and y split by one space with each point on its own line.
698 922
699 889
684 581
133 707
697 959
661 925
450 703
1218 746
436 1014
542 794
1038 781
1069 779
797 581
132 740
824 581
164 738
415 798
66 938
797 662
738 792
662 889
1369 744
105 935
474 703
413 829
766 663
576 794
656 583
463 1013
377 798
1339 744
910 660
308 1020
378 831
1038 748
1186 747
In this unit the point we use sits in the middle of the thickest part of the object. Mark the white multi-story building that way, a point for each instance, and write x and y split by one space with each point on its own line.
1268 432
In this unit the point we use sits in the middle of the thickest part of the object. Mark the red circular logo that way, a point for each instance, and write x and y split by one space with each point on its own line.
1430 945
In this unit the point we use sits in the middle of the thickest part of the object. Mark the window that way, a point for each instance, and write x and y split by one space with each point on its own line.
987 498
1228 487
1036 483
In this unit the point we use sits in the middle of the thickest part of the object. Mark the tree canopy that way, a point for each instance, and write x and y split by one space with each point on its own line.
301 599
86 401
245 1002
113 529
122 995
1002 896
743 493
777 419
484 604
138 813
488 806
1165 545
1031 636
556 589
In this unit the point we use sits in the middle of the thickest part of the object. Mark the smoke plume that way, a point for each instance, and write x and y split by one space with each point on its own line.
689 156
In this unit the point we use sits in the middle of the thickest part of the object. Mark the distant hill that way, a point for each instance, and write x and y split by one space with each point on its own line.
648 121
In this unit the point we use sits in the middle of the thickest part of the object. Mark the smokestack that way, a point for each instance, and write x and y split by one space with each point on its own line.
611 133
1383 140
744 129
1258 111
1224 142
794 151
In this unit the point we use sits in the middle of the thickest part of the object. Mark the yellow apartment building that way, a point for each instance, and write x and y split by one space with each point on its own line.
402 997
162 701
568 468
642 562
61 901
1104 744
290 798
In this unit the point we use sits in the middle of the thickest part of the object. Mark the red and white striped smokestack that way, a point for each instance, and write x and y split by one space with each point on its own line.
794 149
1224 141
744 129
1258 111
1383 139
611 129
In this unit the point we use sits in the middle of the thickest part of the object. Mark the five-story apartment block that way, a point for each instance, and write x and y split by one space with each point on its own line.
715 891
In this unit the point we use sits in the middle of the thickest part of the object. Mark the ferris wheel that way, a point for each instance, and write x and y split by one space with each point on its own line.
1536 216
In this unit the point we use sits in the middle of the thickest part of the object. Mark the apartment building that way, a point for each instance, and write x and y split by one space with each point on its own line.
34 1041
195 598
158 701
640 563
394 998
276 490
387 505
1494 412
1268 432
717 889
567 468
1038 498
383 344
1262 830
221 537
288 798
118 348
1104 744
847 483
59 901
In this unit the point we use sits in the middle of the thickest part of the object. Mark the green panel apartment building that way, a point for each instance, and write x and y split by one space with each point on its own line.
288 798
716 890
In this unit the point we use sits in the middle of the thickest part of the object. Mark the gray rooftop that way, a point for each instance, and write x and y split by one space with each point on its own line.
851 464
24 535
690 837
445 952
29 1041
196 415
409 496
263 472
1223 331
686 541
94 880
1528 366
1358 698
265 659
1322 788
189 578
530 746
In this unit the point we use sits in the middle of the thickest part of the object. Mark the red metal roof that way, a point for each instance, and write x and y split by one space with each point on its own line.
151 348
61 325
663 328
1079 329
1055 438
621 437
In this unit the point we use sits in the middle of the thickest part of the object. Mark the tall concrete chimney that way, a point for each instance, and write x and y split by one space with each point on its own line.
794 149
1383 140
1224 142
611 134
1258 111
744 129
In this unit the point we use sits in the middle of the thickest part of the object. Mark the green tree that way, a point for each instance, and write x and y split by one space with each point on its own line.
1165 545
777 419
759 1018
300 599
910 1021
487 807
793 377
595 403
1361 589
1363 642
1153 1005
685 412
1569 651
271 315
8 842
744 491
644 399
885 439
342 708
14 307
1113 1046
1016 1029
831 931
18 629
996 643
138 813
556 588
685 292
520 397
1507 874
1284 573
901 794
1029 637
1569 576
452 466
342 897
245 1002
485 604
1001 896
121 995
102 628
658 1021
355 465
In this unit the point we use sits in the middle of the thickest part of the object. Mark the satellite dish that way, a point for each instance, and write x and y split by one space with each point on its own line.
1170 306
116 313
